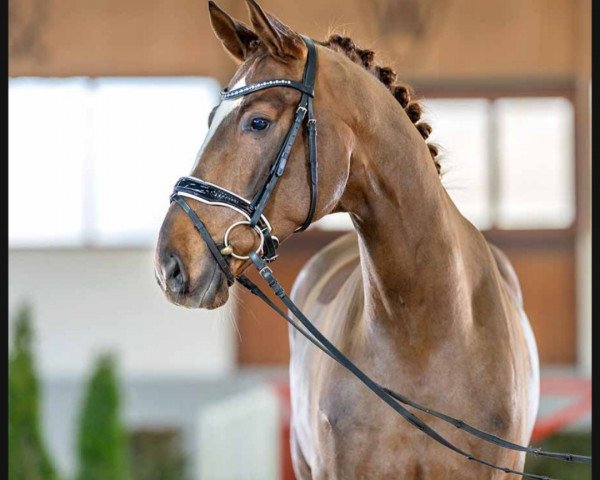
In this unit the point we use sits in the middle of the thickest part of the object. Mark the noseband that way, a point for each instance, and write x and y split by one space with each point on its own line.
211 194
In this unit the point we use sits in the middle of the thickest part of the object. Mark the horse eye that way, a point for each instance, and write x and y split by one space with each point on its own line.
259 123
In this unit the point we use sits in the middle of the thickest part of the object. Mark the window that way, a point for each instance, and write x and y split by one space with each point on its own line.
46 142
93 161
459 128
535 146
508 163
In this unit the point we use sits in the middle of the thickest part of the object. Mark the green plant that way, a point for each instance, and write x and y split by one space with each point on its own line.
575 442
27 457
156 455
102 442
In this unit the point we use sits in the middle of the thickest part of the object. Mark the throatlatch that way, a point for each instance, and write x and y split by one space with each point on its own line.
252 211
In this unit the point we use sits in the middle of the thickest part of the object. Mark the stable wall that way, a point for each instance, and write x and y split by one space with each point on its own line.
451 39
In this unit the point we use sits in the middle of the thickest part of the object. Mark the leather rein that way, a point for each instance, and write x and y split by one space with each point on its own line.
252 211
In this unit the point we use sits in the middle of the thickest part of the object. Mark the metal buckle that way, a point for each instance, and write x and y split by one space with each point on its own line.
228 249
265 268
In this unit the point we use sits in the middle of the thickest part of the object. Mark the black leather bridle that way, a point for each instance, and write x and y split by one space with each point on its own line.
211 194
206 192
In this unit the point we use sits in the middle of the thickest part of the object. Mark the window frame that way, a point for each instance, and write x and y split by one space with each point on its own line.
521 89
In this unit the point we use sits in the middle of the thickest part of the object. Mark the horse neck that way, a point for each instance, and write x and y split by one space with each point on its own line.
408 228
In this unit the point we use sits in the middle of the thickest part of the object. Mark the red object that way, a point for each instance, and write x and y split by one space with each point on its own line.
579 389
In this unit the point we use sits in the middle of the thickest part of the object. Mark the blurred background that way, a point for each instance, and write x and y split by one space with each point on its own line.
108 105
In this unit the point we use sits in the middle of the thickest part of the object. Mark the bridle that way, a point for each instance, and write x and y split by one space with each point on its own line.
253 211
211 194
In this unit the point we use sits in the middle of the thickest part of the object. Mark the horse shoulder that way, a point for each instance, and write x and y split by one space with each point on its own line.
507 272
337 260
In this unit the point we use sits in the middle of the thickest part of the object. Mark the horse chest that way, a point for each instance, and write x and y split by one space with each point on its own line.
345 431
342 427
355 436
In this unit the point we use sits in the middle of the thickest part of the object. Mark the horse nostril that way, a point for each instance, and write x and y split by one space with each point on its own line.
175 277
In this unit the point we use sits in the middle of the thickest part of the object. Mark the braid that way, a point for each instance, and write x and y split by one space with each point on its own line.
401 92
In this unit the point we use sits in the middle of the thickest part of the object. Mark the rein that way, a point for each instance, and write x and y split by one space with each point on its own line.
211 194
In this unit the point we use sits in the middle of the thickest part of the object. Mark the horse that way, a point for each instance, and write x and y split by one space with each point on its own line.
415 295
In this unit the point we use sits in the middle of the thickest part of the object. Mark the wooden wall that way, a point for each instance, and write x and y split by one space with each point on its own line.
459 39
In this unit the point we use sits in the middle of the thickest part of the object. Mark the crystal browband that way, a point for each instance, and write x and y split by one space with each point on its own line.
255 87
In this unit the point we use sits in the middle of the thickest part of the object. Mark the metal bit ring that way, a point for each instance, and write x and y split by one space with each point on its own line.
229 249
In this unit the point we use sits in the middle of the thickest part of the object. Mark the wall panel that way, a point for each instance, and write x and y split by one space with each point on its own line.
428 38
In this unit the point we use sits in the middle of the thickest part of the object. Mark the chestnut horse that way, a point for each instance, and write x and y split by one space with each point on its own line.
417 297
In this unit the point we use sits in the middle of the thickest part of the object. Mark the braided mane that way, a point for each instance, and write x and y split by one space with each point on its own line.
387 76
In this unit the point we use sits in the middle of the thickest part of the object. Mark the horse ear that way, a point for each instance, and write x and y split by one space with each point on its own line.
281 41
236 37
